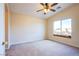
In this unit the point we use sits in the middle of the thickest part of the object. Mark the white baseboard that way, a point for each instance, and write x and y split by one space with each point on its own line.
8 47
23 42
65 43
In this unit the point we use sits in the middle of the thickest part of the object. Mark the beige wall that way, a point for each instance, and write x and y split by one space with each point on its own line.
46 29
73 13
26 28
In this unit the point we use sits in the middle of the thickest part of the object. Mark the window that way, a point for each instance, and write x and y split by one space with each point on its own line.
62 28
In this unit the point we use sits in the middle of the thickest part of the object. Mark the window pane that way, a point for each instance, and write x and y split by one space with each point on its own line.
66 27
57 27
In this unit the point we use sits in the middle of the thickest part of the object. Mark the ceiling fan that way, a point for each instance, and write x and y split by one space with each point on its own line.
47 7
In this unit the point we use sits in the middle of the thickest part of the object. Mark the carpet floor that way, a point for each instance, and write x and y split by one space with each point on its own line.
42 48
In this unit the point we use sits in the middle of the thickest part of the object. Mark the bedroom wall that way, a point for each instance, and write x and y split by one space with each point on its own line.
26 28
73 13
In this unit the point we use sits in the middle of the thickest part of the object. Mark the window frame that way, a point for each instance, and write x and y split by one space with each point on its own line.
60 35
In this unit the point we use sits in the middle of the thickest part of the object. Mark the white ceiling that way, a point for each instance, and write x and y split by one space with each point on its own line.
31 8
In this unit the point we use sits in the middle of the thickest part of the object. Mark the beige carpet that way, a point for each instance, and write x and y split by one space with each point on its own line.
42 48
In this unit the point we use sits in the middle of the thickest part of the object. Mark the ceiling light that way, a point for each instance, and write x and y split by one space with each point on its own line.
46 10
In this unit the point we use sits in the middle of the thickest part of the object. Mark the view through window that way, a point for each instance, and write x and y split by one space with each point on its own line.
62 27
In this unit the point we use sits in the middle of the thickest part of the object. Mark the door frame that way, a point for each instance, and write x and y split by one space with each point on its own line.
3 17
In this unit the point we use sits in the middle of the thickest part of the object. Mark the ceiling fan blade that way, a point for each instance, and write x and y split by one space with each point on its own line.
54 4
46 4
52 10
39 10
42 4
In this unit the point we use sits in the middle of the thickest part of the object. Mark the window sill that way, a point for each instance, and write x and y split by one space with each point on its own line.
62 36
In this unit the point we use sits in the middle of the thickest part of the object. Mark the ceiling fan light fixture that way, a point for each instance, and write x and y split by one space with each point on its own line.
46 10
47 7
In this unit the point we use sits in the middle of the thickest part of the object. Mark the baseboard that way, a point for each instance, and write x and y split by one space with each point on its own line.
64 43
23 42
8 47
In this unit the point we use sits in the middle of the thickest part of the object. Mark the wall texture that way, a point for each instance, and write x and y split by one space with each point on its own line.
73 13
25 28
